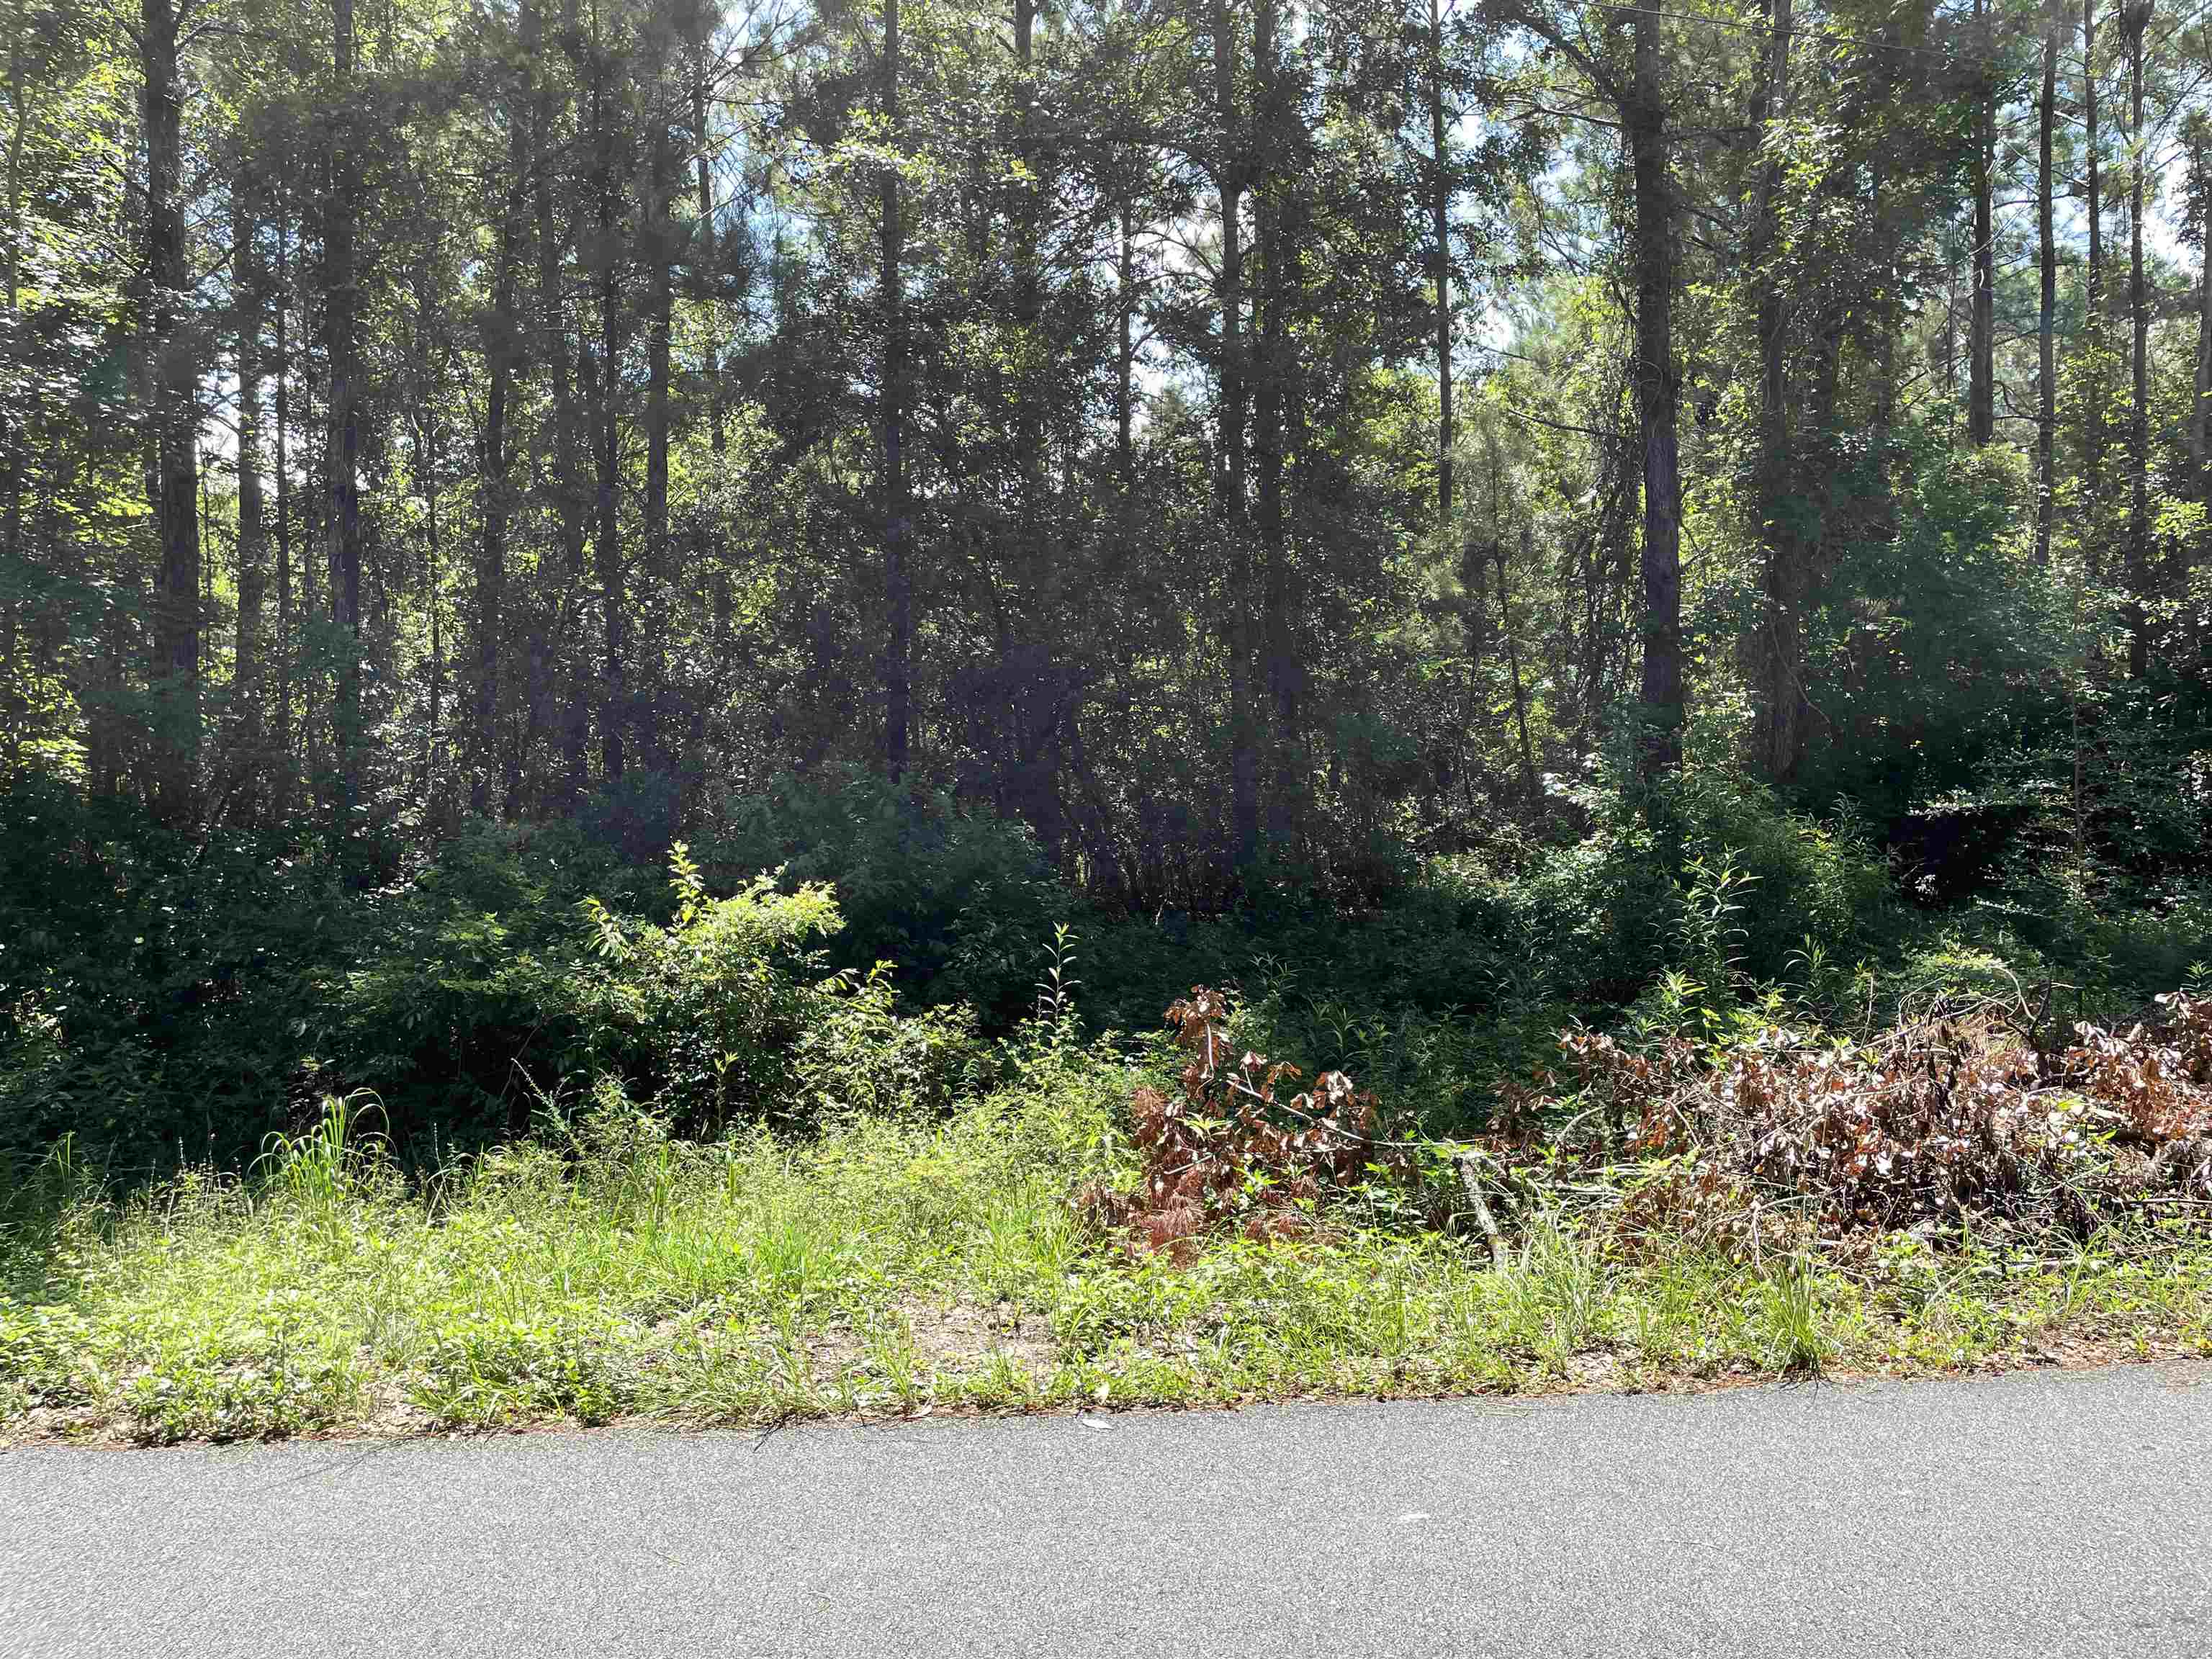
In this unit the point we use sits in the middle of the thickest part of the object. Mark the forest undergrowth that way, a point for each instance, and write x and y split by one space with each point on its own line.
1098 1222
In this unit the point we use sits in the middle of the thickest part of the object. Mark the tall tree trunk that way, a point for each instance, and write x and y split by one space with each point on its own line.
653 712
285 645
427 460
1125 358
2093 420
898 580
1779 665
313 733
1028 285
1658 399
2136 21
1244 735
341 477
615 713
2091 140
14 436
707 270
568 467
1981 374
1278 286
2199 425
1888 325
1440 230
1529 783
1032 672
504 355
2200 408
704 234
247 297
173 384
2046 384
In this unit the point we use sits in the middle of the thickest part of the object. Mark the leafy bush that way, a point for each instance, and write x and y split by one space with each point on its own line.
700 1017
152 988
1801 882
859 1053
728 1010
954 897
1589 919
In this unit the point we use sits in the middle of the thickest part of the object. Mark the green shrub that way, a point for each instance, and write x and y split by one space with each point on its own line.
729 1010
1802 882
703 1017
954 895
152 987
860 1053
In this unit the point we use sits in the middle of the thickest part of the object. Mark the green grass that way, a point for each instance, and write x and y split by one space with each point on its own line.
882 1267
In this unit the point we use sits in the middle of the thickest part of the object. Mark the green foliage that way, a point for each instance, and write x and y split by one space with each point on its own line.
727 1011
700 1017
953 896
462 1003
152 990
1932 651
1759 884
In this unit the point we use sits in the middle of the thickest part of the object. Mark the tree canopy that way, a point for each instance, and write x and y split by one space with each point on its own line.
1239 442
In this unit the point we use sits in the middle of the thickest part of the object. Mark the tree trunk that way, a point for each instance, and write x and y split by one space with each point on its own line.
1440 229
247 297
898 581
504 357
706 269
705 233
1528 784
614 712
427 460
1888 325
341 476
2200 408
1125 358
286 638
313 733
13 436
651 723
2136 21
568 470
1658 397
2046 185
1033 672
1981 383
174 386
1780 665
2092 423
1243 736
1473 603
1277 284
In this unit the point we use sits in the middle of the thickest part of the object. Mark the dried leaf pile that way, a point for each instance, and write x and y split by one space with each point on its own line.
1231 1149
1961 1120
1968 1119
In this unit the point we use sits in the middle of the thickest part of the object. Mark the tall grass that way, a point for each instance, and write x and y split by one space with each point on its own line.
878 1265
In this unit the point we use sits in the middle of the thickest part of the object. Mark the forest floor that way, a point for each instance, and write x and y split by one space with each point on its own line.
882 1268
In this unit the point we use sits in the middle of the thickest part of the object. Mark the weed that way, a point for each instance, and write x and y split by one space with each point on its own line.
1788 1305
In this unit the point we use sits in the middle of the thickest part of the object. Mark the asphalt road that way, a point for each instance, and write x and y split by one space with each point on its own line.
2047 1514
